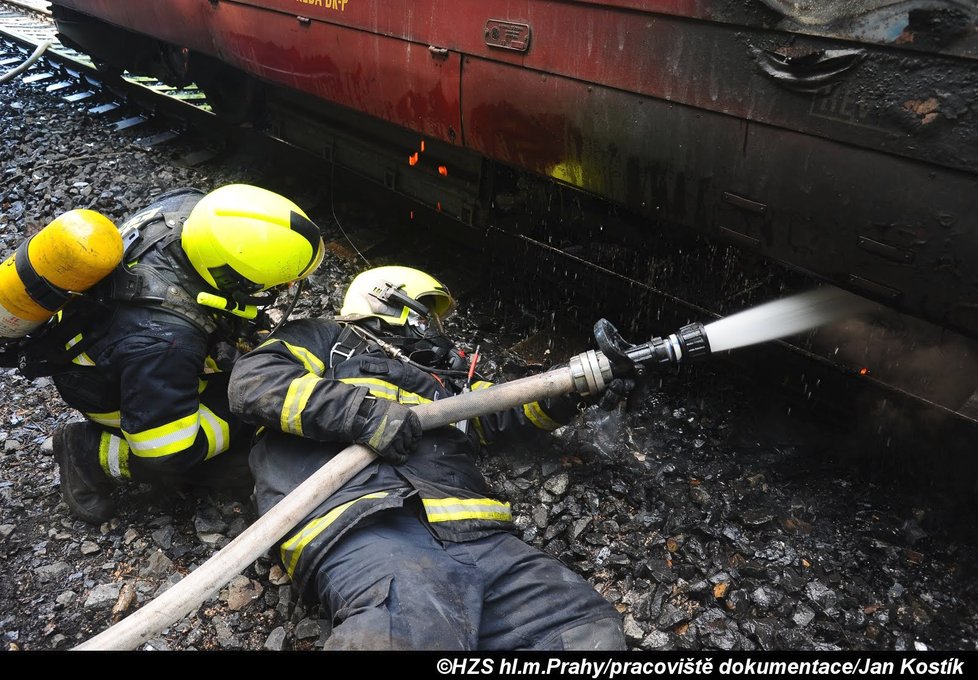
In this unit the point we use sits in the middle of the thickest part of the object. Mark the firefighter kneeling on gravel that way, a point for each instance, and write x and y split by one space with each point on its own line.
141 353
411 553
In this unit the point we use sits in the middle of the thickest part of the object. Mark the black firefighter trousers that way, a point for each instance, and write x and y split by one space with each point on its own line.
391 584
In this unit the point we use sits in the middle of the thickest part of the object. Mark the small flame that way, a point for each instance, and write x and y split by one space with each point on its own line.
443 171
863 371
422 146
413 159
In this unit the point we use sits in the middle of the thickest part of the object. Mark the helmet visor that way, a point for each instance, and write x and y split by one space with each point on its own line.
424 326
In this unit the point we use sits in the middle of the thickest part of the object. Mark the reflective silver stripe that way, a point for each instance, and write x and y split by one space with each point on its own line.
166 439
114 456
82 359
217 431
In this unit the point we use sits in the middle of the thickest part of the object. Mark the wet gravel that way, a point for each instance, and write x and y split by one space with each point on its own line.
706 514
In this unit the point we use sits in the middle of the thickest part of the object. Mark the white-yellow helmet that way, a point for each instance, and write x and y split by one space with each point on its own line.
245 238
392 293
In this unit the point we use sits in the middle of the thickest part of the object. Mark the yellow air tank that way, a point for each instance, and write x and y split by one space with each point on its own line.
70 255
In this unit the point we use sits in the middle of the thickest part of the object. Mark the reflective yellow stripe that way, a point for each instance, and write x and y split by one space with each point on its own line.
292 548
295 400
479 428
82 359
455 509
386 390
165 440
534 412
113 456
378 388
411 399
312 363
110 419
217 431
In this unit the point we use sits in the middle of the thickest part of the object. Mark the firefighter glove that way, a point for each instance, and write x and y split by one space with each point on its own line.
616 392
391 429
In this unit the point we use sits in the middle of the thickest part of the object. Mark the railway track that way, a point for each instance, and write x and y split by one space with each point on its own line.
155 112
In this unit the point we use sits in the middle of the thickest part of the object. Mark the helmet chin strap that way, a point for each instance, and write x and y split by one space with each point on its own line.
288 310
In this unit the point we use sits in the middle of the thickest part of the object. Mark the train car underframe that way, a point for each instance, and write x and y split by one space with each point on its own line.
905 356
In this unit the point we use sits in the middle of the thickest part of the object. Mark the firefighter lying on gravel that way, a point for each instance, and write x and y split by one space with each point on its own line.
141 367
411 553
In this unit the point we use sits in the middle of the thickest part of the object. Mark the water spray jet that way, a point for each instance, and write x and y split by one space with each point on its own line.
695 342
784 317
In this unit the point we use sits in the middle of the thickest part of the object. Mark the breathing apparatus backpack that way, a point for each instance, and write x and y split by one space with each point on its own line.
48 320
48 270
70 255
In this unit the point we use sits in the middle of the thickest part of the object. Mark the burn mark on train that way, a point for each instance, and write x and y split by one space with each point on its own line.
807 70
944 25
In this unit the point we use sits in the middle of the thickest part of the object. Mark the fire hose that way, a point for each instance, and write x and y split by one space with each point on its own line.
17 70
585 373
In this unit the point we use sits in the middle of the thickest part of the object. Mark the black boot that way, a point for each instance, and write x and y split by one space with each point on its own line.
84 486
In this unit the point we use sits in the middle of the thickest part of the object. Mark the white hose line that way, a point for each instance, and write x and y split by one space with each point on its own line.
17 70
207 579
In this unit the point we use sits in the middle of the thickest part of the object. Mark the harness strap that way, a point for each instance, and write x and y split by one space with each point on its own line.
55 346
349 343
174 291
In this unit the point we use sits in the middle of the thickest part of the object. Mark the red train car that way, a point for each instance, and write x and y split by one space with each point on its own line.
839 137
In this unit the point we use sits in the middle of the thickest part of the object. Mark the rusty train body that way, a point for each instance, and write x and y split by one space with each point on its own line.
838 137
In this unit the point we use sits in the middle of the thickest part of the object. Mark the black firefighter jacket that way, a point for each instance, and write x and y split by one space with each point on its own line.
308 406
145 376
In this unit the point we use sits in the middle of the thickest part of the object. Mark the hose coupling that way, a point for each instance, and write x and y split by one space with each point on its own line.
590 372
692 339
